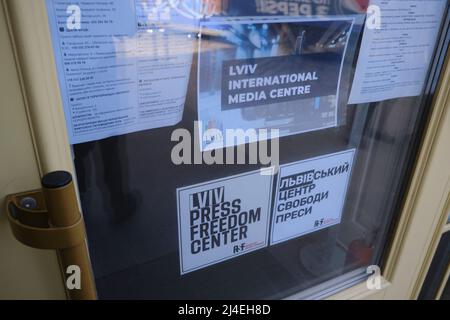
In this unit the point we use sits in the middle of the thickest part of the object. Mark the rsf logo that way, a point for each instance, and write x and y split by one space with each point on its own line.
239 248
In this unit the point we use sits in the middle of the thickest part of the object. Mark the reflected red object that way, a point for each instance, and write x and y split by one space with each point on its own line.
359 252
356 5
363 4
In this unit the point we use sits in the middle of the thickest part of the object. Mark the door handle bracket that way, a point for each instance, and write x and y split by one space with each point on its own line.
49 218
29 220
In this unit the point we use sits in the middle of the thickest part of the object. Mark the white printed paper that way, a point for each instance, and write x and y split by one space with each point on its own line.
123 66
310 195
222 219
394 59
253 76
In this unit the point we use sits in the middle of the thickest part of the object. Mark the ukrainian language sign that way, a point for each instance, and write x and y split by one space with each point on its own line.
121 67
310 195
396 49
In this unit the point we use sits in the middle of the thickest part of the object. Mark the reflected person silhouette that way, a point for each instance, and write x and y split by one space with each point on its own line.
118 201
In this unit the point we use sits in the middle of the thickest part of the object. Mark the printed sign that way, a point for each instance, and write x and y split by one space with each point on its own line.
397 49
255 82
310 195
270 73
222 219
123 65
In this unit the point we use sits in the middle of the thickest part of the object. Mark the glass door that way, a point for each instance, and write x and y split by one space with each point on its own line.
234 149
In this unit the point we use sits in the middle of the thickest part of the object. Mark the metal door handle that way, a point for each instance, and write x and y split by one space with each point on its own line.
49 218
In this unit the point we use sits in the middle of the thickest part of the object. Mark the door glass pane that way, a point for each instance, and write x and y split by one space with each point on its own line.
163 97
436 275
